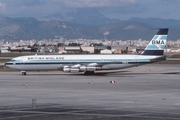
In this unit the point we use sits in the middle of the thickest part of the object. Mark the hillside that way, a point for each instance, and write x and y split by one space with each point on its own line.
84 16
30 28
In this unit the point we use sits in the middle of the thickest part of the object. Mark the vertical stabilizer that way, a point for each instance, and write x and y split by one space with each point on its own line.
158 43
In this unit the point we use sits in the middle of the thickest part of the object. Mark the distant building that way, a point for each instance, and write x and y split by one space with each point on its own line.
106 51
175 50
61 50
72 50
118 51
89 49
20 49
47 49
123 50
5 49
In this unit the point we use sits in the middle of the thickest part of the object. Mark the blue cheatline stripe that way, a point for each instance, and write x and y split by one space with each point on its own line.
72 63
77 62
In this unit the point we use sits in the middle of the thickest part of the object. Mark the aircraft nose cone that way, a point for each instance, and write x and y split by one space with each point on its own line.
6 65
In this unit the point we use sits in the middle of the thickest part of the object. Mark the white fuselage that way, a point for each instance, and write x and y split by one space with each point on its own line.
153 52
78 63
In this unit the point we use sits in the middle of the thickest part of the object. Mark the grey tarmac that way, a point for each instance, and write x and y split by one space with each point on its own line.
149 92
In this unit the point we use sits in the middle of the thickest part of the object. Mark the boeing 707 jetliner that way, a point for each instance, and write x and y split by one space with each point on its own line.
90 63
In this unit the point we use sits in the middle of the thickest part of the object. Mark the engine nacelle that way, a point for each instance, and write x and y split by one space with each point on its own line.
86 68
68 69
80 69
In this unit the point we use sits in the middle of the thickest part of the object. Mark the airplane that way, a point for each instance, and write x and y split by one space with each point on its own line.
88 64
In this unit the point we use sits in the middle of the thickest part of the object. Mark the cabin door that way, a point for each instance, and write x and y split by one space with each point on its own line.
136 59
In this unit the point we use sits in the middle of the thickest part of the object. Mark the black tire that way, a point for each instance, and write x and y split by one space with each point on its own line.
23 73
89 73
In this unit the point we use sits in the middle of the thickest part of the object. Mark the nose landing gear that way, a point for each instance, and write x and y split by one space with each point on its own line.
23 72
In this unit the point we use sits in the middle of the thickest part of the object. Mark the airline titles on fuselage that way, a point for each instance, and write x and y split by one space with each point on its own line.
45 58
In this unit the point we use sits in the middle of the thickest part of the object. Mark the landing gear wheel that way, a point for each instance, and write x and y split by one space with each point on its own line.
23 73
89 73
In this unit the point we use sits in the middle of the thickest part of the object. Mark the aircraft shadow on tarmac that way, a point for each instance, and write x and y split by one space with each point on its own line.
172 73
127 73
119 73
111 74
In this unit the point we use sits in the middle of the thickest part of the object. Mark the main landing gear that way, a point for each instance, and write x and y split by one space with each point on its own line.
23 72
89 73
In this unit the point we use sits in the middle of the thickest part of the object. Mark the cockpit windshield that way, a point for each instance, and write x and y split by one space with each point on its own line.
12 60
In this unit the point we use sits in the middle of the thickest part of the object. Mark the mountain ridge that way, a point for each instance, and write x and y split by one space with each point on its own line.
15 29
84 16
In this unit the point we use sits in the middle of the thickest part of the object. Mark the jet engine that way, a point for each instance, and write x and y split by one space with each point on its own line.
87 68
69 69
79 68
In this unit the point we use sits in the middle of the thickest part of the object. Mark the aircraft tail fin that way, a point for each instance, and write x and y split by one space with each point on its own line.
158 43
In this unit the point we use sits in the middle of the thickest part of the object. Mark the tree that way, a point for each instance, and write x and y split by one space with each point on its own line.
108 47
96 51
35 44
74 44
60 44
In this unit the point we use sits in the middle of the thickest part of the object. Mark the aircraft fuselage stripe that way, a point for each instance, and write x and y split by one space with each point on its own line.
72 63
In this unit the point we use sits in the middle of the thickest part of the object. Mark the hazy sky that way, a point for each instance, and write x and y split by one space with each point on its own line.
121 9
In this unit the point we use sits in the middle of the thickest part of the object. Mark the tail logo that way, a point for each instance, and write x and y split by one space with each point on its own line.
155 42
